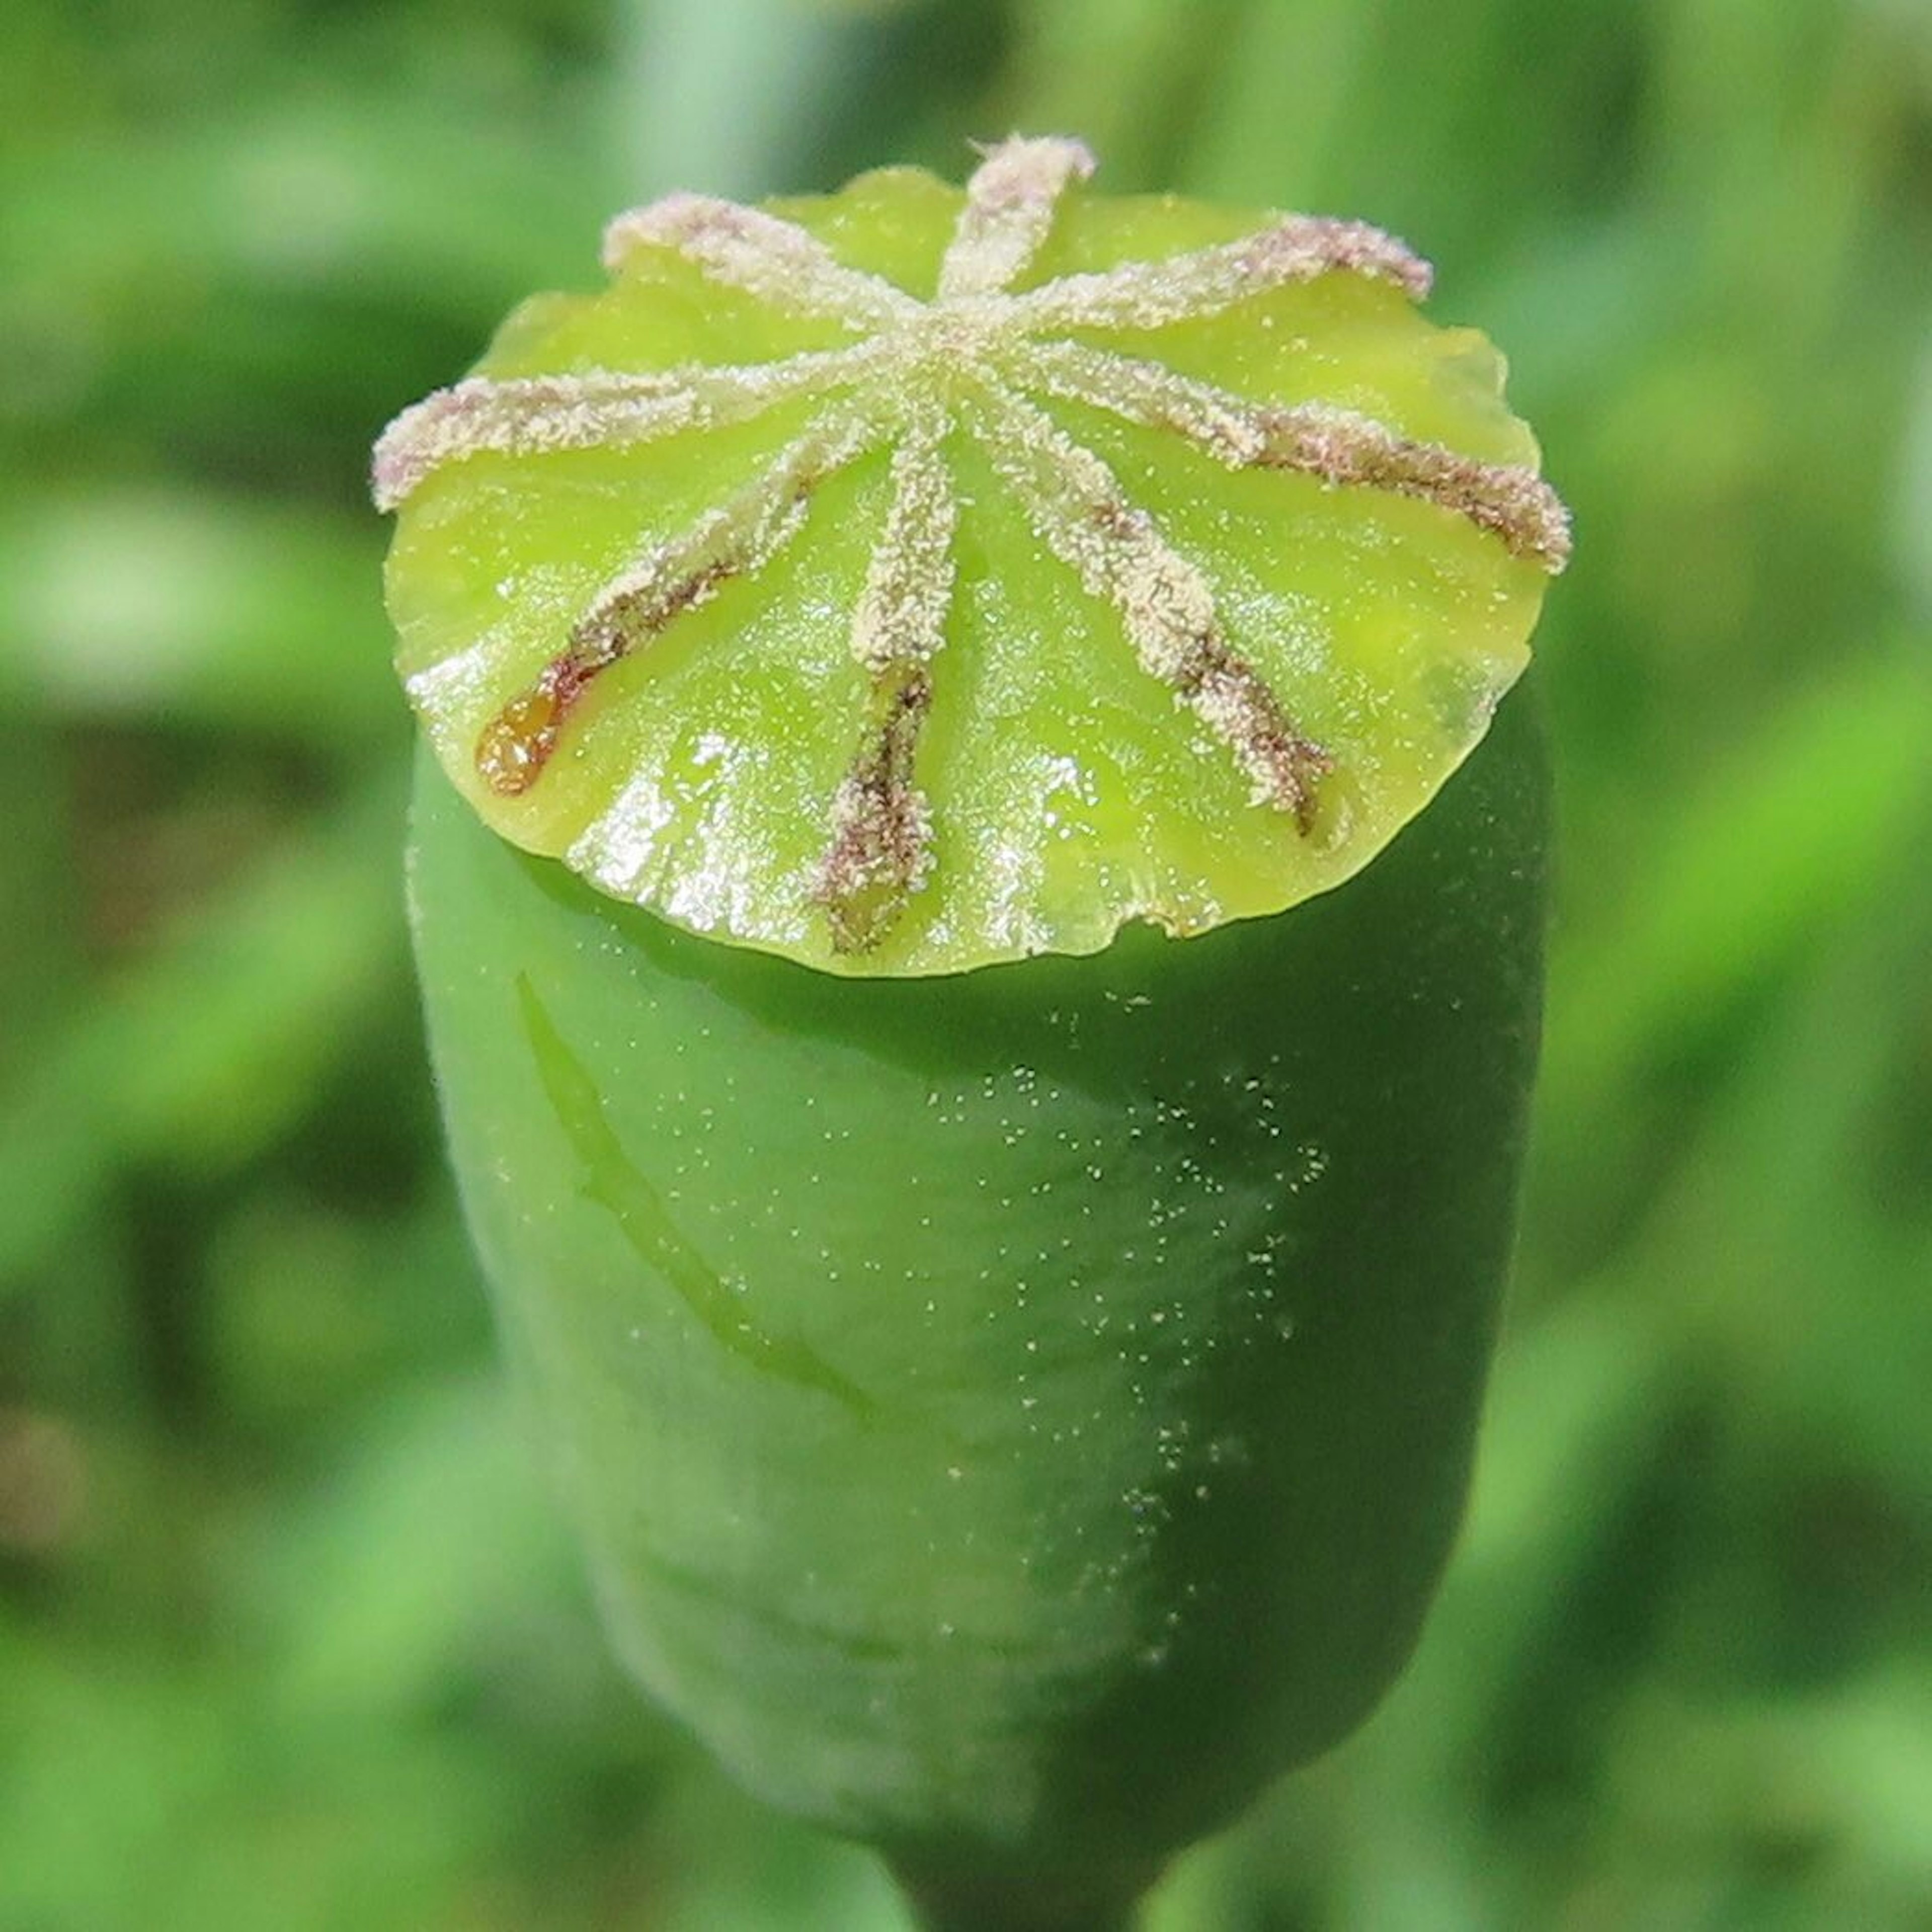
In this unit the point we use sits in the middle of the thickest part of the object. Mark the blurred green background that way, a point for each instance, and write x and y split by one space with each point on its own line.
288 1636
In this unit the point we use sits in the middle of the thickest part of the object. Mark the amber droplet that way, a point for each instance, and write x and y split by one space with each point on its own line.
514 746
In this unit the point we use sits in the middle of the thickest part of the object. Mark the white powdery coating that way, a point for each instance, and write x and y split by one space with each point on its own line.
738 538
765 256
1009 208
1186 287
1075 504
1340 447
880 842
1149 394
600 408
900 619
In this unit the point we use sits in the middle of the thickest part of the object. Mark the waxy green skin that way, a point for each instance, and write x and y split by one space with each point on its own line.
1012 1415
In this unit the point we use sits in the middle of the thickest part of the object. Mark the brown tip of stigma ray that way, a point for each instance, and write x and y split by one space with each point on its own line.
1229 694
1232 696
1509 502
881 836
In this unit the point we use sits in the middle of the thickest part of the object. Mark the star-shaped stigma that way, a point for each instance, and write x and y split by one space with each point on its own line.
973 357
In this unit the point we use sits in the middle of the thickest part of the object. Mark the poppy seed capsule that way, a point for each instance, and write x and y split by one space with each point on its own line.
1014 1369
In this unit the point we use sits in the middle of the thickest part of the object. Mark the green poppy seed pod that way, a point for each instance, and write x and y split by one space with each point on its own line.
996 1159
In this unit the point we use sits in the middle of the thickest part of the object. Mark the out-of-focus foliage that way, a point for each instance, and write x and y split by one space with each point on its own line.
288 1636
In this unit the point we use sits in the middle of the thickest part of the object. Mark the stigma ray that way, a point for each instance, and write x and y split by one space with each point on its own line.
881 848
738 538
1010 202
880 852
538 415
1205 281
764 256
1079 512
1339 447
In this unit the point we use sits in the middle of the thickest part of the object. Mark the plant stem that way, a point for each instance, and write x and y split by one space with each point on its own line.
959 1902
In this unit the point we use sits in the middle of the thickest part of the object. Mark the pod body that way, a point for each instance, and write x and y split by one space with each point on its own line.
1012 1415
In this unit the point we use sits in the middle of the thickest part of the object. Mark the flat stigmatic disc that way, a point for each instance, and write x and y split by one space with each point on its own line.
910 579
